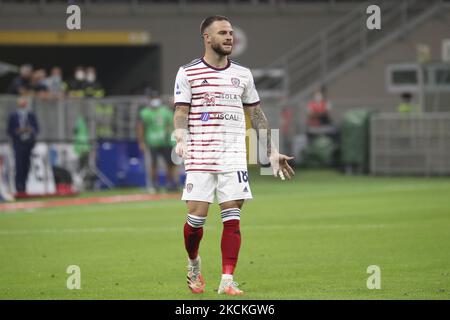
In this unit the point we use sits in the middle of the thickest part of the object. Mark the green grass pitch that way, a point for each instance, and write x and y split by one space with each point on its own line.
311 238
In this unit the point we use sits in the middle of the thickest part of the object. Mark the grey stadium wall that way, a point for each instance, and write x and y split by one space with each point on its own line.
270 32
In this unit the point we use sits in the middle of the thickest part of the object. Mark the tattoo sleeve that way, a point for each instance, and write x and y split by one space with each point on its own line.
180 122
259 121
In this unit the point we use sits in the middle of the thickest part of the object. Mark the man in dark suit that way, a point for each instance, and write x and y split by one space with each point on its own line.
23 129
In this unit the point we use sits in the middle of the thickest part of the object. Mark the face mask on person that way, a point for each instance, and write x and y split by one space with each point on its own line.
154 103
80 75
90 77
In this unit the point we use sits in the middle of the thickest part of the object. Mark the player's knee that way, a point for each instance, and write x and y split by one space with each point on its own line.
232 204
198 208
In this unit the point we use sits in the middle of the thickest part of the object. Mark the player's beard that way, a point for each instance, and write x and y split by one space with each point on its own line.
217 47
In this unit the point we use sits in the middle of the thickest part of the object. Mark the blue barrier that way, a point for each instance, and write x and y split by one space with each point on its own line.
124 164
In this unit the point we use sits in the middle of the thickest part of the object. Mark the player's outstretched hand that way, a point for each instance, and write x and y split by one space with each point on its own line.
181 150
181 146
281 167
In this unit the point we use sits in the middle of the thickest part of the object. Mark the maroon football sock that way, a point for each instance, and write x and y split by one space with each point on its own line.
192 237
231 243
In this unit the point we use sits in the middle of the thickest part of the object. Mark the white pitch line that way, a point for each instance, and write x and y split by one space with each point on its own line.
171 229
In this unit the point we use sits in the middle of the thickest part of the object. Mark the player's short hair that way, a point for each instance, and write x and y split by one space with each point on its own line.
209 21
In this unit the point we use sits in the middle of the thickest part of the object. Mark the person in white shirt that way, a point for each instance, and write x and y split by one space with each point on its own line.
211 95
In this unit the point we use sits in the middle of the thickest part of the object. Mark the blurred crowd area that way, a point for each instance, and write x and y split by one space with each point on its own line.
52 84
373 109
66 141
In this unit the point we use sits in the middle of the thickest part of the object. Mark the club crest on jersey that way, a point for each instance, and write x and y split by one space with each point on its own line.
205 116
189 187
209 100
235 82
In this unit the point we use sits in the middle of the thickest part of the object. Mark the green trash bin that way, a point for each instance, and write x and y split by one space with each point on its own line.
355 140
320 153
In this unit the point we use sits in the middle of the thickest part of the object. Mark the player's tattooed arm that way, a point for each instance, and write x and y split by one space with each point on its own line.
180 123
279 162
259 121
180 117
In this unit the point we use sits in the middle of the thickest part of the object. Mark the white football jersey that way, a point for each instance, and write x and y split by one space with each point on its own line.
217 98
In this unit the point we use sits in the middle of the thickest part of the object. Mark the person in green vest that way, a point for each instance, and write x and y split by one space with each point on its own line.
81 145
154 130
405 105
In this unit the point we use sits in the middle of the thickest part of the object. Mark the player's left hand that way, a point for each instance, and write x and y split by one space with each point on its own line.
280 166
180 136
181 150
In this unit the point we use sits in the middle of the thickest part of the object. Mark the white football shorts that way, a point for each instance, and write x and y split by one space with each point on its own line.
227 186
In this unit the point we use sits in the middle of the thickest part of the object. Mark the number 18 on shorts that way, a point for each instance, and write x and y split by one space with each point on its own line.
227 186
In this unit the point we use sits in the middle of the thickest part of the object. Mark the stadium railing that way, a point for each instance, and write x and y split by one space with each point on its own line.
107 118
103 130
410 144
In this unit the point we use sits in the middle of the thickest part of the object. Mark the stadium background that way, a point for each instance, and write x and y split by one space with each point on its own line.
372 189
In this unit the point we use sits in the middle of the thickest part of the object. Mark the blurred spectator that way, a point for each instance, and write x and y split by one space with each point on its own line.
154 132
319 123
81 142
55 83
21 84
318 110
23 129
93 88
77 84
38 85
406 106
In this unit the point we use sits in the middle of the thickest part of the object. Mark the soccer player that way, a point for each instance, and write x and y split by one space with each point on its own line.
211 95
